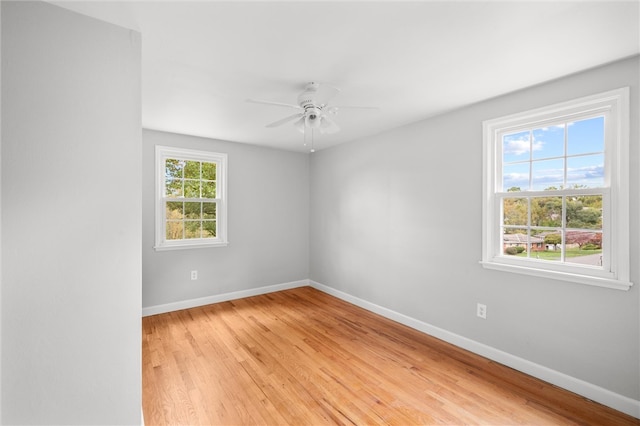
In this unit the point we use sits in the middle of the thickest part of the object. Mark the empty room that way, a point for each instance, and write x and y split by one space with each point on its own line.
320 212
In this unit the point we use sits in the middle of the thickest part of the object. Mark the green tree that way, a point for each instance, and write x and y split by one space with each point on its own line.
554 239
515 211
546 211
584 212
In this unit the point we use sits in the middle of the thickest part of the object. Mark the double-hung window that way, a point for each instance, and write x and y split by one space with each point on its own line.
190 198
556 196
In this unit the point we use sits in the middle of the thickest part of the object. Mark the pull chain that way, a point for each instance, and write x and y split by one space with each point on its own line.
304 135
312 149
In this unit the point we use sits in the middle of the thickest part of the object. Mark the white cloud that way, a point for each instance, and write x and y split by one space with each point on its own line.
521 146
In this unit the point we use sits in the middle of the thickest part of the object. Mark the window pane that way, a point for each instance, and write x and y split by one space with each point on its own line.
584 247
209 171
174 210
192 170
516 147
547 175
584 212
173 188
209 210
515 177
548 142
515 211
192 229
539 246
514 241
586 136
173 168
553 242
192 210
209 229
546 211
192 188
208 189
586 171
174 230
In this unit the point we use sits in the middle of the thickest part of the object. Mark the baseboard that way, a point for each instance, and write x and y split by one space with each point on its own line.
603 396
192 303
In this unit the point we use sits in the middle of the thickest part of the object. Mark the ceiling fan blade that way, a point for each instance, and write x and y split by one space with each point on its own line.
337 107
300 124
325 93
284 120
327 125
258 101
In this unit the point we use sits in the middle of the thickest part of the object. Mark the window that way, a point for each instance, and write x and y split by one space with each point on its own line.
190 198
556 200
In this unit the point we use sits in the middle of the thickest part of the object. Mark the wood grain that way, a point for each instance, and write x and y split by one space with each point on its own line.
302 357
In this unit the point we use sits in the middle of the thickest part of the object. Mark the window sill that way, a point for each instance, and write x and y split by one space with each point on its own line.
190 246
562 276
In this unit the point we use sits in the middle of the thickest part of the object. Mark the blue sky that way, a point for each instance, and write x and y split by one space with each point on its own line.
542 151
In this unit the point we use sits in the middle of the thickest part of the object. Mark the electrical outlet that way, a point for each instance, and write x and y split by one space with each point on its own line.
194 275
481 311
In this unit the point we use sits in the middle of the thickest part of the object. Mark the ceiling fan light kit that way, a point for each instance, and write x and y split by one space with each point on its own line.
313 104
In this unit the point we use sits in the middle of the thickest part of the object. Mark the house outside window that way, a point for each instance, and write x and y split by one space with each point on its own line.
191 208
556 198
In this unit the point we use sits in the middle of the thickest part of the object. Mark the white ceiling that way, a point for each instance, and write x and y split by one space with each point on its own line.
201 60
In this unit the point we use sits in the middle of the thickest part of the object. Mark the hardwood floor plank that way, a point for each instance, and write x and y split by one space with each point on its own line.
302 357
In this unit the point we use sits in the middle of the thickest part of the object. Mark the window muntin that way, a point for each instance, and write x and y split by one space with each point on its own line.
190 201
556 188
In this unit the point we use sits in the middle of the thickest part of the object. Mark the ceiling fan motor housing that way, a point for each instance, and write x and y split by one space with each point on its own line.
307 101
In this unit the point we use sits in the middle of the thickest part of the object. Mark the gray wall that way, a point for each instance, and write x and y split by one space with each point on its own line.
396 221
0 217
268 226
71 218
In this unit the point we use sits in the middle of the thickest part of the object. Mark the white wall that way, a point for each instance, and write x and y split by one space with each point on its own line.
396 221
71 218
0 216
268 225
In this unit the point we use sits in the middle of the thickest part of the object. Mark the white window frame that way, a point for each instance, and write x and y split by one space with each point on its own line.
615 271
162 154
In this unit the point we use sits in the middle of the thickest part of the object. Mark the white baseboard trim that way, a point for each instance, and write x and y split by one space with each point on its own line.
192 303
588 390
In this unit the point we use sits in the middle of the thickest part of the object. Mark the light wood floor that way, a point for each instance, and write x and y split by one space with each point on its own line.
302 357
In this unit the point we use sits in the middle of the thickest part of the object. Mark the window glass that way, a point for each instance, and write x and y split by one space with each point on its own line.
548 142
585 136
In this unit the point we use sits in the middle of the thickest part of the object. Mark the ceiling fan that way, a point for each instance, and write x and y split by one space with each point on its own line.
314 109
